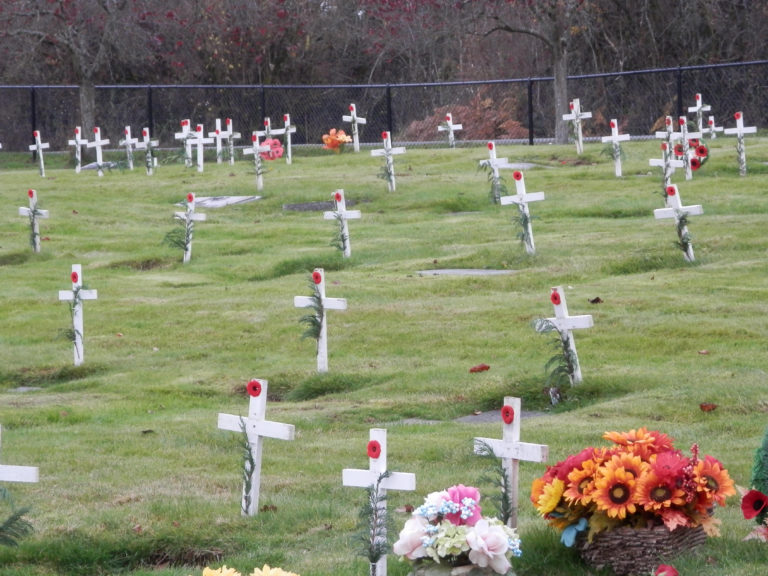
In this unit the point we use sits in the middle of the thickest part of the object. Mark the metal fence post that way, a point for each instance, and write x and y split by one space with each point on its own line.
530 111
679 91
33 112
150 113
390 125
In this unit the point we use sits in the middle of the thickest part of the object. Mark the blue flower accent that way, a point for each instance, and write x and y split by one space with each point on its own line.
568 537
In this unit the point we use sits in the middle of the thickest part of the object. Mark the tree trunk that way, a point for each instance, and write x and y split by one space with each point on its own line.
560 66
87 106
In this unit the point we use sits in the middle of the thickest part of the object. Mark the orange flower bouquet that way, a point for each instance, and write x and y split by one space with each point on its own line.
335 140
641 481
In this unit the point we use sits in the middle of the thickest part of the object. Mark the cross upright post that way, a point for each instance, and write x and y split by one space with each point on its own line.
321 303
685 143
495 164
377 467
511 451
712 128
355 120
33 213
200 140
256 427
699 108
448 126
575 117
667 163
256 149
148 144
186 141
341 214
679 213
388 152
288 129
521 199
38 148
615 139
129 143
189 217
75 297
740 131
78 142
97 143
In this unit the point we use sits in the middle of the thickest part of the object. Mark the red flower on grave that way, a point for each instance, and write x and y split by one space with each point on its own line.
698 96
126 131
753 503
663 145
490 145
701 151
144 133
384 135
228 121
671 191
185 122
479 368
666 570
351 107
668 121
507 414
77 130
199 128
35 134
447 117
693 142
517 175
695 163
31 193
678 149
570 105
266 121
681 121
337 196
737 116
285 118
711 122
218 131
190 197
254 388
374 449
555 298
275 149
254 138
75 277
613 124
317 277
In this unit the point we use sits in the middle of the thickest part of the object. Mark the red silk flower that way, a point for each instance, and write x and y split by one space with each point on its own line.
753 503
555 297
317 277
31 193
670 190
74 276
507 414
190 197
337 196
254 388
374 449
517 175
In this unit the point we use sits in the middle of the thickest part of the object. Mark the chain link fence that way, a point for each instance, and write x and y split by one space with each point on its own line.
519 110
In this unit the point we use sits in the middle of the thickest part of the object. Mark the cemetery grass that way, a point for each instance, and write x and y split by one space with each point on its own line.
136 479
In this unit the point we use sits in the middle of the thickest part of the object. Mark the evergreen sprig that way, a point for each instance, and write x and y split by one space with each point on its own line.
341 240
561 367
759 476
249 466
15 527
34 214
683 235
522 220
373 523
498 187
313 320
497 476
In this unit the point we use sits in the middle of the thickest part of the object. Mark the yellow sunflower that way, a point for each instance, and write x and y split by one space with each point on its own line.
615 491
641 441
655 492
712 481
581 483
550 496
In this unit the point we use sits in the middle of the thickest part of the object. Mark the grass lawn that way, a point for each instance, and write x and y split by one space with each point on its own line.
135 477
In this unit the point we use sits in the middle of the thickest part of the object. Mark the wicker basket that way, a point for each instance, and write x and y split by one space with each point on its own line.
629 551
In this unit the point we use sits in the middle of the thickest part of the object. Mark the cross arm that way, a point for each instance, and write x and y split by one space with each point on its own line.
365 478
524 451
572 322
19 474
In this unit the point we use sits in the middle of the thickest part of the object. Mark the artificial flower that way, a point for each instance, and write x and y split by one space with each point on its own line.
665 570
712 481
267 571
488 547
752 503
335 140
615 491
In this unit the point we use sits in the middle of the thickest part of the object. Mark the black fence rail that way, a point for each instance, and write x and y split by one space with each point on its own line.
513 110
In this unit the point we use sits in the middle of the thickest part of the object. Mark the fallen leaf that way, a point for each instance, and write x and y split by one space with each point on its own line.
137 528
707 406
75 212
477 412
119 334
703 352
479 368
595 300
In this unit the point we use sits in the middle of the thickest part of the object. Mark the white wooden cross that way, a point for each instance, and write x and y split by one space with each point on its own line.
685 138
377 465
256 149
680 213
185 137
232 136
75 297
667 163
268 131
512 451
148 144
615 138
78 142
189 217
33 213
341 215
521 199
565 324
575 117
388 152
448 126
699 108
38 148
740 130
129 143
495 164
29 474
199 139
712 128
668 132
257 427
98 143
355 120
318 278
288 129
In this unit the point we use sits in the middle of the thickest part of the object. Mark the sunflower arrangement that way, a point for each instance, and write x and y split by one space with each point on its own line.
265 571
641 481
